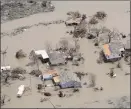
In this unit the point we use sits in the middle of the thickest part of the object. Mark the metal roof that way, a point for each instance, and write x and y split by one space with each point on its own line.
112 50
43 53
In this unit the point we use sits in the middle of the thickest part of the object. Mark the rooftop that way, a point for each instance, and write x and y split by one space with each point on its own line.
112 50
68 76
43 53
56 58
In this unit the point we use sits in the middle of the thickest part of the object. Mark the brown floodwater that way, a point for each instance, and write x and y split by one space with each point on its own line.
36 37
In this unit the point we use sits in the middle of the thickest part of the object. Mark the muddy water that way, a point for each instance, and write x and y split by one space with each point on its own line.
36 37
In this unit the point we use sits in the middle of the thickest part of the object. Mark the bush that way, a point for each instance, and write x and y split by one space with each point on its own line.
44 4
18 73
64 44
74 14
18 70
93 21
100 15
35 72
20 54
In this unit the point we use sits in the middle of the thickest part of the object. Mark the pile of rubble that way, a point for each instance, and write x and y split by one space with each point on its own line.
19 30
18 73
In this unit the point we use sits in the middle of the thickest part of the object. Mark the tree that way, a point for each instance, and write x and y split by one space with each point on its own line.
48 46
101 15
93 21
34 57
74 15
64 44
84 17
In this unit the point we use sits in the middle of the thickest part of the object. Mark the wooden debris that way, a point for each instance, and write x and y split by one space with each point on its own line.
76 90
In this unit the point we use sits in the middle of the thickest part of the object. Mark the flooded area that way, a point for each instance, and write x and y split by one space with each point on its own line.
36 37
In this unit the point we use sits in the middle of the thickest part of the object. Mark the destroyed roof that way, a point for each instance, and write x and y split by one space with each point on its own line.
68 76
112 50
43 53
56 58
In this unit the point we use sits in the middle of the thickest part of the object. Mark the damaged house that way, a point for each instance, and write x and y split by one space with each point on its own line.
56 58
112 51
69 80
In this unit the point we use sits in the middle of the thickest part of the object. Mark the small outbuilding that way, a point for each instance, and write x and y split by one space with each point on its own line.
56 80
42 54
69 80
47 77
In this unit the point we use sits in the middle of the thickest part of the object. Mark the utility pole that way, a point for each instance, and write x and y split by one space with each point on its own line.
51 104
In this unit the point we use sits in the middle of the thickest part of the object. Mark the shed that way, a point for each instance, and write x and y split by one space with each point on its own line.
47 76
56 58
69 80
56 80
42 54
112 51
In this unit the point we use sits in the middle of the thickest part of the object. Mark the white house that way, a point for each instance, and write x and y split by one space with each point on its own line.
43 55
